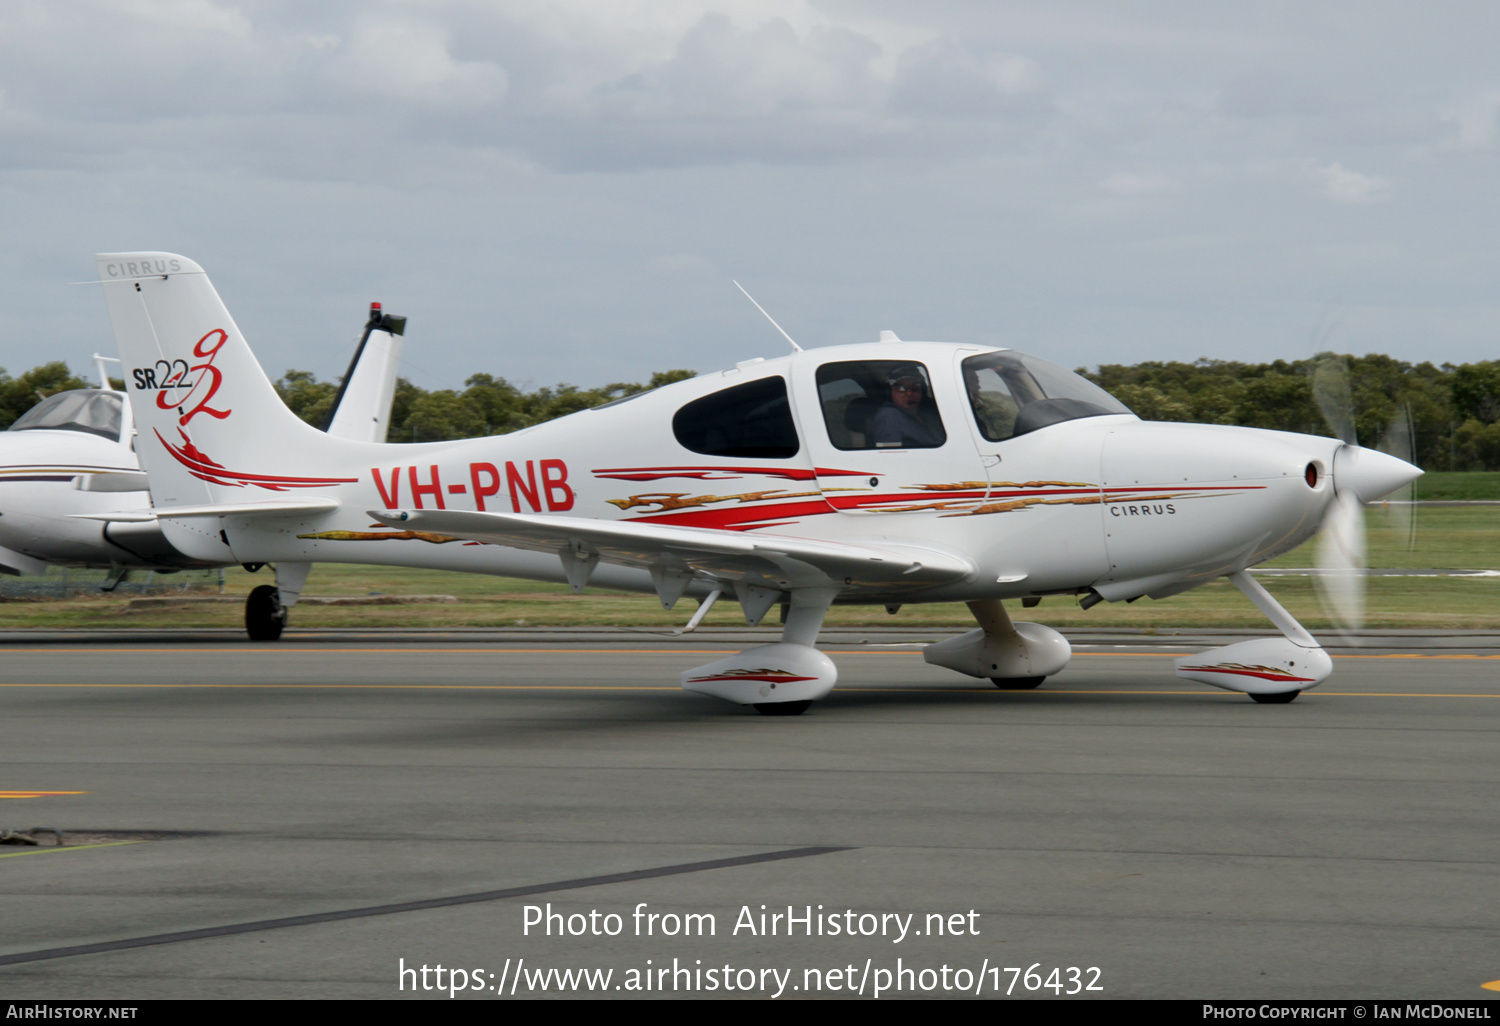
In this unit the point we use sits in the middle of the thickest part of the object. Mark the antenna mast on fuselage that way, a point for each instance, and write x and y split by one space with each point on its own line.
768 317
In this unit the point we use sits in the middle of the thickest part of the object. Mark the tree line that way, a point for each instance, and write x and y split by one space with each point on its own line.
487 406
1454 409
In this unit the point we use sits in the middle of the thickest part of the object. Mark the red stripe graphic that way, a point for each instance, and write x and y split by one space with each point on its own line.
738 518
1178 489
201 466
753 516
1263 675
721 473
774 678
924 499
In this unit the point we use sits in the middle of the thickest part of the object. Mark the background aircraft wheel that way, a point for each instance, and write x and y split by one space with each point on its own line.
1017 683
782 708
264 617
1280 698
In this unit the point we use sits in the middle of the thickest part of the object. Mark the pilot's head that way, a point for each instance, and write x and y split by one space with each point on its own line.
907 388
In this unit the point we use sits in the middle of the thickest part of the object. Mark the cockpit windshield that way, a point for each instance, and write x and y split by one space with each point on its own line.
1013 394
86 409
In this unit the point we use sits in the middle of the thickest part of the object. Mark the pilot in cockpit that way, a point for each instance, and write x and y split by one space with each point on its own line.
903 421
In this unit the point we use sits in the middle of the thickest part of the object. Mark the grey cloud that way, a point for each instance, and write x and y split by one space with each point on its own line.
1261 93
1474 117
945 79
487 79
721 71
1093 180
409 61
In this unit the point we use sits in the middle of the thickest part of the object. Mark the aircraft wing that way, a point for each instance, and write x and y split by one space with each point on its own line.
760 560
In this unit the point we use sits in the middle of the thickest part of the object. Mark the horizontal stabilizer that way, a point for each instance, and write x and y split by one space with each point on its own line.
304 508
783 561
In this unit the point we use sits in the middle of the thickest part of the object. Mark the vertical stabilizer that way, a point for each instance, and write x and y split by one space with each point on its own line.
210 427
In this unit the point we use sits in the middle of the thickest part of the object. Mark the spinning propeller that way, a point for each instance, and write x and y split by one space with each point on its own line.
1360 475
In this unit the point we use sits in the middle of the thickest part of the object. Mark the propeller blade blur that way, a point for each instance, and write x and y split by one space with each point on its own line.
1341 561
1398 441
1333 394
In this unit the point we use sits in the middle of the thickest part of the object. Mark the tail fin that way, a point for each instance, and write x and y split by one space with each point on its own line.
210 427
362 411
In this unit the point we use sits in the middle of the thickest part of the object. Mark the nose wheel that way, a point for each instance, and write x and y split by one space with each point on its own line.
1017 683
1279 698
782 708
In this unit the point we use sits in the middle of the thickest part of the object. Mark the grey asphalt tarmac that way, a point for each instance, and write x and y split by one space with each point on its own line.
1160 838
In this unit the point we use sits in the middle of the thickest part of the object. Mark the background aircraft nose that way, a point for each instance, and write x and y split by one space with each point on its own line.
1369 473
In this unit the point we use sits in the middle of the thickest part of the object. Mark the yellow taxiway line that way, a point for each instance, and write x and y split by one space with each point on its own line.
36 794
498 650
179 650
66 847
1186 689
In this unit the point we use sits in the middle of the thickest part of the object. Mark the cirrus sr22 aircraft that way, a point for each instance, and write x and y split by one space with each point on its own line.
888 473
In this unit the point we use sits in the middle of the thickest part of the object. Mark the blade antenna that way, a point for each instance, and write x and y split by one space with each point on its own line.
768 317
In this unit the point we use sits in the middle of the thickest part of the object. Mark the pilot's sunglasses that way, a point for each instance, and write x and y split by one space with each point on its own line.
908 388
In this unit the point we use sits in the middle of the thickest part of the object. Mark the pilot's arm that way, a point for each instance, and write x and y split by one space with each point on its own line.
887 428
893 428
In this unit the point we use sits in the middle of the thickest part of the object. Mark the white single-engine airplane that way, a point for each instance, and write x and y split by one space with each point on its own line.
888 473
73 455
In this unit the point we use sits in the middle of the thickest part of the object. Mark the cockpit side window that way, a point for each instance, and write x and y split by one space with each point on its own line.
753 420
1014 394
879 404
995 408
89 410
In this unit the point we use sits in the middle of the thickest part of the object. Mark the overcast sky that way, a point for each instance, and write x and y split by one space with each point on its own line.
562 190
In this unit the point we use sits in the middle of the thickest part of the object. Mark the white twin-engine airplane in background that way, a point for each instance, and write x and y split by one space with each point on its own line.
888 473
73 456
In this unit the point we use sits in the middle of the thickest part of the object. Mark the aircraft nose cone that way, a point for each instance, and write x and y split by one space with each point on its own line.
1370 474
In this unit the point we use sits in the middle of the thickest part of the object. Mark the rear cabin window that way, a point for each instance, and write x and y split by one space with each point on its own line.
753 420
879 404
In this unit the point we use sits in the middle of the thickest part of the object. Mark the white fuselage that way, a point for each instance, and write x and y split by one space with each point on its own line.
1106 502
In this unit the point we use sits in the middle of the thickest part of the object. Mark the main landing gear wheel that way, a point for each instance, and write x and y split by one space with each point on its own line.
1279 698
782 708
1017 683
264 617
